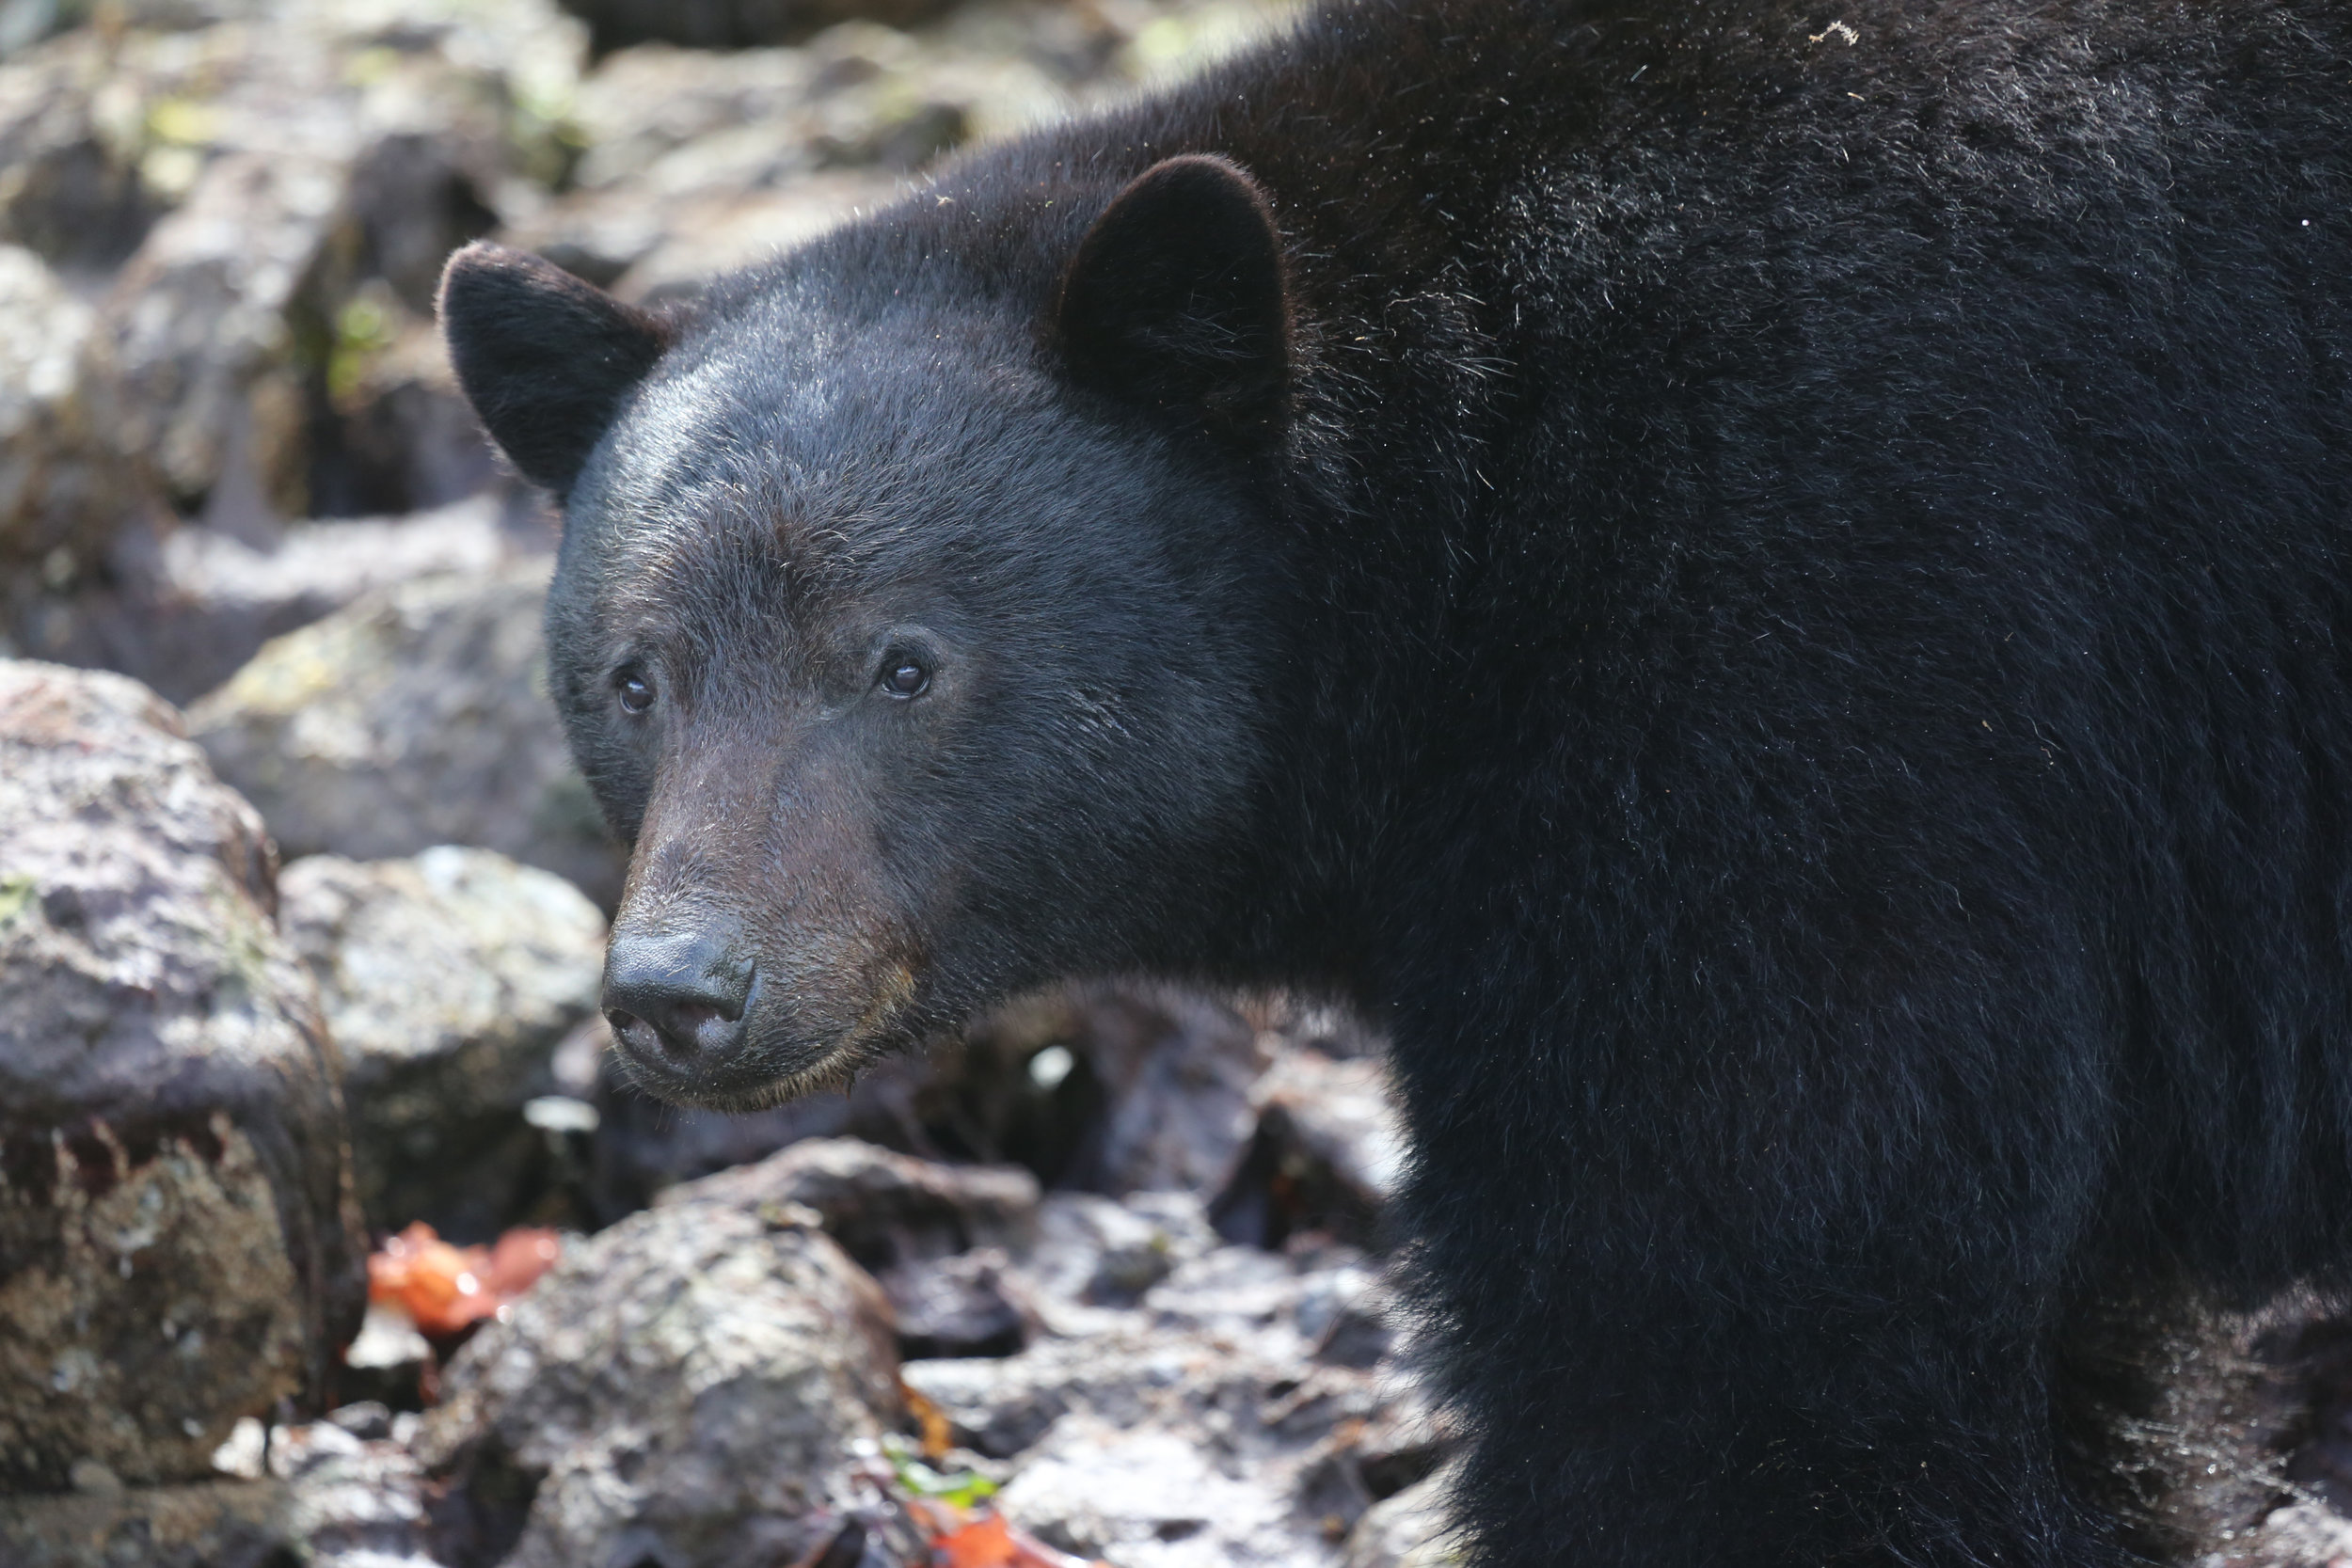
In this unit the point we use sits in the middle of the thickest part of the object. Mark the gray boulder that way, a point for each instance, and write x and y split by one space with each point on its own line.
59 491
417 716
297 157
184 608
447 979
686 1388
345 1492
199 355
178 1247
214 1524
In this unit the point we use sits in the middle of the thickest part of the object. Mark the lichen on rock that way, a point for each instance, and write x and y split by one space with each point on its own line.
170 1112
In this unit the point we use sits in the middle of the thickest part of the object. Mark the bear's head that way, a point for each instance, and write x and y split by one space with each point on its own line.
913 607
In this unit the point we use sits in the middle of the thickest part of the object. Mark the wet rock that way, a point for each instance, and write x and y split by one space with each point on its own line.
59 491
417 716
1196 1428
437 1074
356 1497
885 1209
1149 1499
684 1388
1116 1087
1328 1153
1130 1376
343 1492
216 1524
176 1241
1094 1250
1177 1068
184 608
961 1306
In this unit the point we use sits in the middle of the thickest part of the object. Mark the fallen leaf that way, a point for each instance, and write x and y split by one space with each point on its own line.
985 1543
444 1287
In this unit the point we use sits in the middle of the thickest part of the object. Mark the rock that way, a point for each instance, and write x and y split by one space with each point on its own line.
1411 1529
403 438
60 492
1219 1333
356 1497
1116 1087
1129 1376
417 716
1404 1440
1328 1153
246 185
199 358
1177 1066
343 1492
178 1247
1198 1427
447 980
699 161
216 1524
885 1209
70 144
960 1305
185 609
1149 1499
1094 1250
666 251
685 1387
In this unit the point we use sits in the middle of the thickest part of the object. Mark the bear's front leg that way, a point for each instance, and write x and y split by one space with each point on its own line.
1796 1308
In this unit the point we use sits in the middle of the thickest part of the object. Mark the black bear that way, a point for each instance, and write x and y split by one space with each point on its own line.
1770 584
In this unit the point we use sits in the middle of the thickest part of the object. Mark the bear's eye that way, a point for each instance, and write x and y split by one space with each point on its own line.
903 675
635 690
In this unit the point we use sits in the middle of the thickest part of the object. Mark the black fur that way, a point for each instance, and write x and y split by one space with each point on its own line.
544 358
1175 301
1787 633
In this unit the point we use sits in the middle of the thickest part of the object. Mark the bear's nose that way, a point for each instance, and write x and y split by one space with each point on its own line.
678 1000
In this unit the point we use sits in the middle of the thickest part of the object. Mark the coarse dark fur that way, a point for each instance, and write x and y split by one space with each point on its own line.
1768 585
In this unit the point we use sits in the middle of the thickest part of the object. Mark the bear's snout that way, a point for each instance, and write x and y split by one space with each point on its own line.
676 1000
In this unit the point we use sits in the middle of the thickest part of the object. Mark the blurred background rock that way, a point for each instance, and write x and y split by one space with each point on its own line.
1118 1255
224 411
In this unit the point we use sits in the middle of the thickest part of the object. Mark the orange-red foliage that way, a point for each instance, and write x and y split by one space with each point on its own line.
443 1288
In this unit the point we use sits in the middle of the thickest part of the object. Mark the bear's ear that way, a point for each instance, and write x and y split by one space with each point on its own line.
1175 300
544 358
